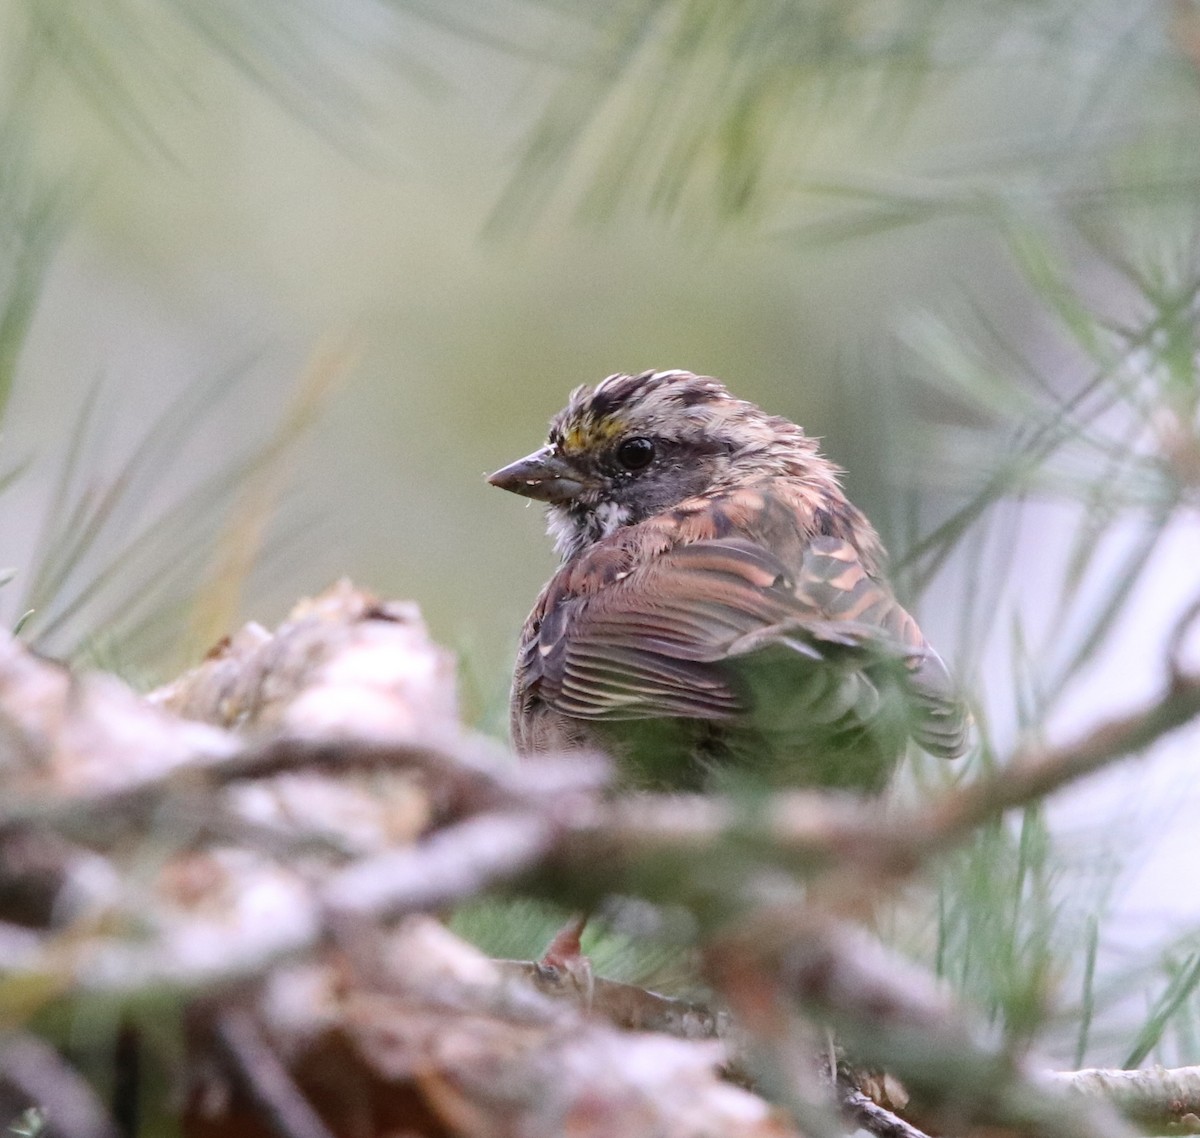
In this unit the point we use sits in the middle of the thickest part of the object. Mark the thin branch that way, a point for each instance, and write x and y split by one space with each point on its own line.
887 1014
811 829
471 772
455 863
1158 1097
868 1115
265 1079
40 1076
1035 772
470 775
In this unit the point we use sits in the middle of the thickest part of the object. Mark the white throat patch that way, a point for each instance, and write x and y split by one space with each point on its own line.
609 517
573 533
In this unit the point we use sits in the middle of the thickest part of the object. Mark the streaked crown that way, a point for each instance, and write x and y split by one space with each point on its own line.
651 402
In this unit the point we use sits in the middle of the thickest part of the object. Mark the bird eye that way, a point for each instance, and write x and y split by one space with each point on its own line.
634 454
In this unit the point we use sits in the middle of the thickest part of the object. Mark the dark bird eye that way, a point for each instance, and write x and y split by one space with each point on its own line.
634 454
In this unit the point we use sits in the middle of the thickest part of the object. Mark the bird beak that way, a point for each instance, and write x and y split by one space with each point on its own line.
543 475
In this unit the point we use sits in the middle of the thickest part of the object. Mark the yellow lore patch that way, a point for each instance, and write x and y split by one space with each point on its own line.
587 435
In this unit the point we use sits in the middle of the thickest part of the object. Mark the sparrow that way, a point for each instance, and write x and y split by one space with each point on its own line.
721 608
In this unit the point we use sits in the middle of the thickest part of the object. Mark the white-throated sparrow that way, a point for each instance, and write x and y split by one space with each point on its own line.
720 604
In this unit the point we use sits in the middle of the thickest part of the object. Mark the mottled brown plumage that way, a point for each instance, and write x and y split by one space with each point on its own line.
720 604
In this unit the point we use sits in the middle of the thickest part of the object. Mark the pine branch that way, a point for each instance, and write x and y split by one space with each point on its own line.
331 794
1157 1098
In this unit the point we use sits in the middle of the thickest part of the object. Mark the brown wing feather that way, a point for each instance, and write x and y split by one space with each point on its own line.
638 631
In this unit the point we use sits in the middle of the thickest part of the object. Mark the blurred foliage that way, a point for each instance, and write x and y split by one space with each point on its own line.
33 214
693 109
92 595
127 63
1106 436
1109 430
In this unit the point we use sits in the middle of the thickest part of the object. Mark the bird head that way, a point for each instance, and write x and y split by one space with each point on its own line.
633 446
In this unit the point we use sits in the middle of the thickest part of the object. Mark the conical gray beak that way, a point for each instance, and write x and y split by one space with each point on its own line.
543 475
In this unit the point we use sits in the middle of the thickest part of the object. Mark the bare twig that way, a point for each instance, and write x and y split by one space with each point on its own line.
1158 1097
887 1014
456 863
40 1076
841 974
868 1115
469 774
1035 772
265 1079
